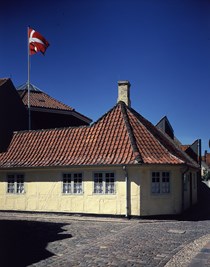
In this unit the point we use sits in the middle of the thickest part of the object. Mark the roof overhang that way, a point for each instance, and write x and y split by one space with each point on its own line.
63 112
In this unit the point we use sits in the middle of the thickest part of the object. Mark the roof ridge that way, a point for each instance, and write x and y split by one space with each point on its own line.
131 135
25 86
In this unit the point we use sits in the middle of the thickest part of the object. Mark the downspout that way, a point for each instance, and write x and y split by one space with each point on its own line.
199 181
126 192
183 173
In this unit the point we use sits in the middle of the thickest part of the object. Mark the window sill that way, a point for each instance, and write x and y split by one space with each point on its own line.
72 194
16 194
104 194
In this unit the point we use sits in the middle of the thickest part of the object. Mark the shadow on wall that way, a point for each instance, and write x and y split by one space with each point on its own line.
198 212
201 211
24 242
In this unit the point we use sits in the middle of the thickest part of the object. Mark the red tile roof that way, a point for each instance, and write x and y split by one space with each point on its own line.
121 136
42 100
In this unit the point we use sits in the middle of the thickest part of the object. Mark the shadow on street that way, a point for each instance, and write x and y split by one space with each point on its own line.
24 242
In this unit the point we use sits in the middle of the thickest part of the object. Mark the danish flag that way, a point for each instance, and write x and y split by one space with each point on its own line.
37 43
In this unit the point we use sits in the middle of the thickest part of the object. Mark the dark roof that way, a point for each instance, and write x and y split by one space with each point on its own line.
40 100
3 80
192 150
32 87
121 136
165 126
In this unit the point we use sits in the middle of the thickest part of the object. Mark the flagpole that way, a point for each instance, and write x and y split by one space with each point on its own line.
28 83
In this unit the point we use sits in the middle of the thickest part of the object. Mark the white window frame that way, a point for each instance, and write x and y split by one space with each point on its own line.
104 183
72 183
15 184
160 183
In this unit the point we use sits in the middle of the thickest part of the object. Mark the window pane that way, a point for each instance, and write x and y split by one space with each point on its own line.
11 185
156 187
109 185
66 183
165 183
77 183
20 185
98 183
155 182
67 175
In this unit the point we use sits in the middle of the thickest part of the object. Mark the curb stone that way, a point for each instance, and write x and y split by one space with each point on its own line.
185 256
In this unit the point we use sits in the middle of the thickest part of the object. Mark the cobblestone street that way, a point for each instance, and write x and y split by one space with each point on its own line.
61 240
39 240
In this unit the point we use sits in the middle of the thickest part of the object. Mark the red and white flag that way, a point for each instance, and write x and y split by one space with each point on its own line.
37 43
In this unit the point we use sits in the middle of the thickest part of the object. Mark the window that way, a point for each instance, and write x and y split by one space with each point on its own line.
72 183
77 183
11 184
98 183
67 183
104 183
160 182
15 184
109 183
156 182
165 183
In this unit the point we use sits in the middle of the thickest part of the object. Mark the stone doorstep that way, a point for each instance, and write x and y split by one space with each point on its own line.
176 231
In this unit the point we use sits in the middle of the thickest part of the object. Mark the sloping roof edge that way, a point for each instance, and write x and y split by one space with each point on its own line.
175 149
131 135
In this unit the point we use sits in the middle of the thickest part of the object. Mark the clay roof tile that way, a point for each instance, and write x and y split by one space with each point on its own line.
121 136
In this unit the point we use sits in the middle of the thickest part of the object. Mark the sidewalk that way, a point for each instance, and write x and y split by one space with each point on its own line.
202 258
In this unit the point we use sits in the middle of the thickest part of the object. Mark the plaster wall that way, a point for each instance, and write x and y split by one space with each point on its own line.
43 192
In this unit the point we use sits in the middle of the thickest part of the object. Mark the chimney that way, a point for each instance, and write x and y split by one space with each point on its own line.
124 92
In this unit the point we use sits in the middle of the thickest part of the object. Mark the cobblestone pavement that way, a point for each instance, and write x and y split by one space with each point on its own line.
90 241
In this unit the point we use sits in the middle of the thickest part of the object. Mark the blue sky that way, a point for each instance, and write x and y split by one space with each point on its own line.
161 46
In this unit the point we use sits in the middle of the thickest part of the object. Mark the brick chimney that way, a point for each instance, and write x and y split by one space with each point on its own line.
124 92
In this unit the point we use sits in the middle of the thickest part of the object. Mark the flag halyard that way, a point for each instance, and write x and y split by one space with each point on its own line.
37 43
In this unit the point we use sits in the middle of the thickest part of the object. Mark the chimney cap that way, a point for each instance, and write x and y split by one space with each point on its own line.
124 82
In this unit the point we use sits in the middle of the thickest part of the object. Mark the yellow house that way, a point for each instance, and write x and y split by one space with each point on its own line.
120 165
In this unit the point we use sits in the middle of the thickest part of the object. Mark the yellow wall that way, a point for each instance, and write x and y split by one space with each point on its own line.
154 204
43 192
166 203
